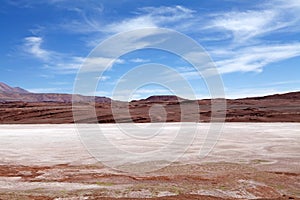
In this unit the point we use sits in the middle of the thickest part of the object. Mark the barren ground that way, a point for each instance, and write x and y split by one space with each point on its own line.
250 161
275 108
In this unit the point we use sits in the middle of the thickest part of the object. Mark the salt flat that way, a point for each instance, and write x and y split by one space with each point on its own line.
248 161
238 142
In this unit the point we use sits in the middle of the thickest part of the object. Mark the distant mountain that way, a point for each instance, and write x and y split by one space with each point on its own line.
59 98
20 106
164 98
12 94
4 88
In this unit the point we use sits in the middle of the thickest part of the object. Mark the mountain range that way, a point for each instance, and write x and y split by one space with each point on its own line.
4 88
18 106
14 94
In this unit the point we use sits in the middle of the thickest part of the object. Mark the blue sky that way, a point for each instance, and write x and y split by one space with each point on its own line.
254 44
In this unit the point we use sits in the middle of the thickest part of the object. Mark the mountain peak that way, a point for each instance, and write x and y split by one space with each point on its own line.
4 88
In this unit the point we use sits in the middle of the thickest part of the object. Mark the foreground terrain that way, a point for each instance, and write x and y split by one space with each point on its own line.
250 161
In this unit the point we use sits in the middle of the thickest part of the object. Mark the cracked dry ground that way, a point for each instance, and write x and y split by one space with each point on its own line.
251 180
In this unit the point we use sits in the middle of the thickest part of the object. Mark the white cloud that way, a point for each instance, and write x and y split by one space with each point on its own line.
130 24
248 24
76 26
189 73
139 60
146 17
32 46
286 4
63 63
48 90
250 47
256 57
282 83
91 64
103 78
57 61
163 15
244 52
123 43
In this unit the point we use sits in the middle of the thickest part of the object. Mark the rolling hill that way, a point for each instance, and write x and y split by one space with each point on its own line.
20 106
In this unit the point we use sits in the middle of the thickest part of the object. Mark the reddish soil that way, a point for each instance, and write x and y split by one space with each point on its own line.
182 181
275 108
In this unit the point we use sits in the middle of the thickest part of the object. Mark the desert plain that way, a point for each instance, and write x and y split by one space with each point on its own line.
51 148
249 161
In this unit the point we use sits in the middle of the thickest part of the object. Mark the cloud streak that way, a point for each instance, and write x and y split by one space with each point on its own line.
256 57
250 46
53 60
139 60
244 31
32 46
246 49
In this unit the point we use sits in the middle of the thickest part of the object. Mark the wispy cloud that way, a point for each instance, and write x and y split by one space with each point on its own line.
139 60
152 17
130 24
247 48
246 25
64 63
145 17
49 90
57 61
71 65
256 57
32 46
244 30
94 64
